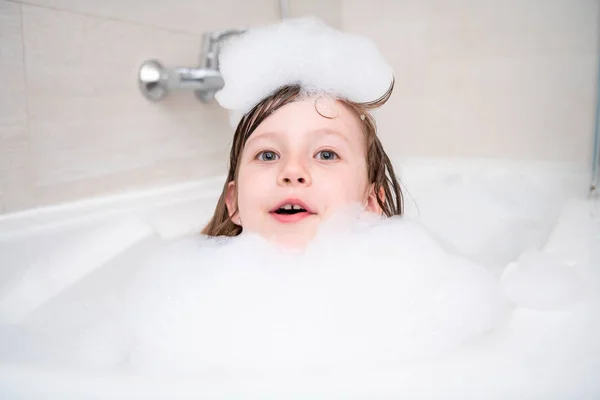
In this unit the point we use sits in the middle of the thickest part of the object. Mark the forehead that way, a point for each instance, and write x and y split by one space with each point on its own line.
313 114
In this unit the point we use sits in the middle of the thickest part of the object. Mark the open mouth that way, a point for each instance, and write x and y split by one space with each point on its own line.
290 209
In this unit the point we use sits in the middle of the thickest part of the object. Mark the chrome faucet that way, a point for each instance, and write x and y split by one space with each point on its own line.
156 81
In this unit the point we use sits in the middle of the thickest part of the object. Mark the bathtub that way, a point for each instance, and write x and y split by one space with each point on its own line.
472 204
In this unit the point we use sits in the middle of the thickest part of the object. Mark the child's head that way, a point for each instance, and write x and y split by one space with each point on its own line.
313 154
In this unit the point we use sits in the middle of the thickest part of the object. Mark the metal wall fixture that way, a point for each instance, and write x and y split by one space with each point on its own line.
156 81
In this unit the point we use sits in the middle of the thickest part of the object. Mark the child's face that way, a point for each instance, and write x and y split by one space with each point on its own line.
298 158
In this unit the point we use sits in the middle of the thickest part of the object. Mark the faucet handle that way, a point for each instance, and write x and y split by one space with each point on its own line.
220 35
212 46
153 80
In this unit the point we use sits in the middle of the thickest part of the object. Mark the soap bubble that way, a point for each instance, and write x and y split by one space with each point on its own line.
301 51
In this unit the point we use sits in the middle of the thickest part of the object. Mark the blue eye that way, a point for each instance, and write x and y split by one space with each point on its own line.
267 156
326 155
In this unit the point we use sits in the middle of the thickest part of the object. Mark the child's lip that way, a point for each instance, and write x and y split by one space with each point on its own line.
293 201
291 218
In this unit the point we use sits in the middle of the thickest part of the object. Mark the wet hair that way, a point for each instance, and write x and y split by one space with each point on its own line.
379 167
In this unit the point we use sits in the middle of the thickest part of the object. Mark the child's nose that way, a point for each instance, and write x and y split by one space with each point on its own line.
290 181
294 174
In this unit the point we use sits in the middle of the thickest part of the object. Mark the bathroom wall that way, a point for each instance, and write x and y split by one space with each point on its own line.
73 124
487 78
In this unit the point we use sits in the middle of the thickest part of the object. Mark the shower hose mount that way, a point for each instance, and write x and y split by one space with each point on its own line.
157 81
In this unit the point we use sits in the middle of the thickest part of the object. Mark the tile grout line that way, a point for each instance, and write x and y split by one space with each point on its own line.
105 17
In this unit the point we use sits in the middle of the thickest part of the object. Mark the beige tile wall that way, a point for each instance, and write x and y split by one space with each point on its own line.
482 78
196 16
73 124
486 78
15 161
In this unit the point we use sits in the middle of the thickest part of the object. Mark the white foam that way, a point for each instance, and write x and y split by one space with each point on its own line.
397 296
66 263
381 303
540 282
303 51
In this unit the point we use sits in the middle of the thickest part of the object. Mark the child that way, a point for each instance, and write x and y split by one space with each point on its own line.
303 151
305 148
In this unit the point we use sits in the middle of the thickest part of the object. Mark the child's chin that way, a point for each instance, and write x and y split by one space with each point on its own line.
297 240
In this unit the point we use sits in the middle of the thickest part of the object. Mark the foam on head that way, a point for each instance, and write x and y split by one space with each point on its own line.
303 51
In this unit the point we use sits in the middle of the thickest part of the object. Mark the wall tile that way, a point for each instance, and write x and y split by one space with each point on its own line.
88 120
163 173
329 11
80 127
15 177
496 79
16 180
12 96
195 16
507 79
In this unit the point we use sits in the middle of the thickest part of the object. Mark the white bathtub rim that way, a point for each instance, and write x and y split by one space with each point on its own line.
56 217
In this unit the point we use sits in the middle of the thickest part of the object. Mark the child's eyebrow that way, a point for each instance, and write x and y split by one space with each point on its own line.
330 132
321 131
259 136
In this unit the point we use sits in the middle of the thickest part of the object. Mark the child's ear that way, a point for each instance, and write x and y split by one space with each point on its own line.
231 203
372 205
